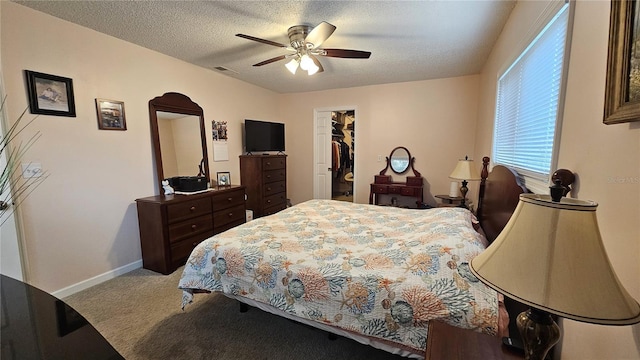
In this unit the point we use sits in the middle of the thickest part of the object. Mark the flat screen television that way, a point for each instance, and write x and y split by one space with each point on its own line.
263 136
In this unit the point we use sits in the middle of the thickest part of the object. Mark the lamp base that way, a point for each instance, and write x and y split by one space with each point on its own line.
539 333
463 191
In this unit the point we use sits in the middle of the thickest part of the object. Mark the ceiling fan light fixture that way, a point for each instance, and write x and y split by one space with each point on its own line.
313 68
306 62
292 66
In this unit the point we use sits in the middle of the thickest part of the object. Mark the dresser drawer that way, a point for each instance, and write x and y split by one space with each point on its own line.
380 189
273 163
274 175
273 200
274 209
190 227
223 217
409 191
274 188
395 190
188 209
180 251
228 199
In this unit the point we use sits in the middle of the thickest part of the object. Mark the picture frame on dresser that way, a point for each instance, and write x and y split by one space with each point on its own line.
223 178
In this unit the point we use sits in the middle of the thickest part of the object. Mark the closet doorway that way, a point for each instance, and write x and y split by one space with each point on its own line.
334 153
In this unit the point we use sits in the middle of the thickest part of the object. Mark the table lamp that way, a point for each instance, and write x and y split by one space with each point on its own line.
465 171
550 256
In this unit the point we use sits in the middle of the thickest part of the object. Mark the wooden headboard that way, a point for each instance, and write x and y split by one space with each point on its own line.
499 195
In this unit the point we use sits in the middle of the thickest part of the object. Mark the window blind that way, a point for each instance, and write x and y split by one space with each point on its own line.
527 103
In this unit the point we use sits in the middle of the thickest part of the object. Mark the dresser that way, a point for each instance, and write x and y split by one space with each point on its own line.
172 225
265 177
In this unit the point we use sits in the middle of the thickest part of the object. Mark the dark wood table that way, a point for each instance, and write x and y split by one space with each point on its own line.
446 342
36 325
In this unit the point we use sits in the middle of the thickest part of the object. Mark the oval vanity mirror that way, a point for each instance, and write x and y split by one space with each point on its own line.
399 160
177 123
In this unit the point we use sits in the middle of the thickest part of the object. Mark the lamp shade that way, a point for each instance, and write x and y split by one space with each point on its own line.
465 170
550 256
292 66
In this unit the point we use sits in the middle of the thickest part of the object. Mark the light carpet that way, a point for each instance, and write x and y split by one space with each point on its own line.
139 314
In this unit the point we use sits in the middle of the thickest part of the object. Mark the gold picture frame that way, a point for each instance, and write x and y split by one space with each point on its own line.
622 90
111 115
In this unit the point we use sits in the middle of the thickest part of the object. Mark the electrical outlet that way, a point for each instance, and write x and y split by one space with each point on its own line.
379 158
31 170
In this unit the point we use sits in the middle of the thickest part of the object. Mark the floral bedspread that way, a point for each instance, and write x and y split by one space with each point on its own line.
378 271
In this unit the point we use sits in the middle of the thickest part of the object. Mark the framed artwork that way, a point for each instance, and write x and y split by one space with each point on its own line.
622 90
110 115
50 94
224 178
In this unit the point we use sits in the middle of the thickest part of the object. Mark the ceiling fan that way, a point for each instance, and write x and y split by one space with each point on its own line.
305 44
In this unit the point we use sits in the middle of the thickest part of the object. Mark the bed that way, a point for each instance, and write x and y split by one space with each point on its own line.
374 274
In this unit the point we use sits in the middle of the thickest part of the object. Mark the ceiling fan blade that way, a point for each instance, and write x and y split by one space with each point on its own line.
318 64
269 61
320 33
345 53
268 42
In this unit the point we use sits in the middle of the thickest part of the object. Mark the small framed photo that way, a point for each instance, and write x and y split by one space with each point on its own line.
50 94
110 115
224 178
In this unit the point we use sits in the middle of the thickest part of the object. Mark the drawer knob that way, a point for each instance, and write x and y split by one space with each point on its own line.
193 227
193 208
268 201
268 162
268 176
195 243
230 214
268 189
230 199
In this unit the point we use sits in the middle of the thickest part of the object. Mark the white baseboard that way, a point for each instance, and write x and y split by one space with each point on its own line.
70 290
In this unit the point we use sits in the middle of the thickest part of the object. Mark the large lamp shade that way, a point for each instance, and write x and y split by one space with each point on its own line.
550 256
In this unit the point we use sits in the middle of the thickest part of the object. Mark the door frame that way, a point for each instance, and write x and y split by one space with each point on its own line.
353 108
13 257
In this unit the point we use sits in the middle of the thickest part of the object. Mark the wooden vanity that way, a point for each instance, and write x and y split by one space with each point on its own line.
399 162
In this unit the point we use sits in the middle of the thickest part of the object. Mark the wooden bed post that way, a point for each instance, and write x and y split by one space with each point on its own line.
484 174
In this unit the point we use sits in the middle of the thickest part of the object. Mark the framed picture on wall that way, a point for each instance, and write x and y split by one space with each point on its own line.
50 94
110 115
622 90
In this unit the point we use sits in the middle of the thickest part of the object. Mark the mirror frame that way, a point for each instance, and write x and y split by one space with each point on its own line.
416 173
409 160
177 103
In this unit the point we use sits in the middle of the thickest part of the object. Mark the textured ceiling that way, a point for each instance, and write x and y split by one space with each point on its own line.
409 40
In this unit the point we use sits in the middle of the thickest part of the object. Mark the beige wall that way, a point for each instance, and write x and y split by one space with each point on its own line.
82 222
433 119
606 159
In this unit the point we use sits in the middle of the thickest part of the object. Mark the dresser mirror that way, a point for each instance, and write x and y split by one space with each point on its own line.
399 160
176 125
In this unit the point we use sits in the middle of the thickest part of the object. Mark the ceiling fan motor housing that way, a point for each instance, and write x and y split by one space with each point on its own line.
297 35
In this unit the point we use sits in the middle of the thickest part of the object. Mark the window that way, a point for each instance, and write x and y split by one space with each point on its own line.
527 106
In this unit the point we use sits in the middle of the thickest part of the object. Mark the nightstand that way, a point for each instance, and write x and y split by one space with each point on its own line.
447 200
449 342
